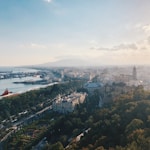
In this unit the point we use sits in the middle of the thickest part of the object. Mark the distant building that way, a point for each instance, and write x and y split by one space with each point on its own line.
68 103
92 86
134 74
126 78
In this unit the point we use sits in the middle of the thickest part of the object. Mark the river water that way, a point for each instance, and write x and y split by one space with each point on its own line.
18 88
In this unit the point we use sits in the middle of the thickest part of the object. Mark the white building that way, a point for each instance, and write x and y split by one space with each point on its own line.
68 103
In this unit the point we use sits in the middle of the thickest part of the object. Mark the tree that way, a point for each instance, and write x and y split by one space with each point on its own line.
133 125
57 146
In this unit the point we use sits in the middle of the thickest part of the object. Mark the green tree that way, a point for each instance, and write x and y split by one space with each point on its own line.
133 125
57 146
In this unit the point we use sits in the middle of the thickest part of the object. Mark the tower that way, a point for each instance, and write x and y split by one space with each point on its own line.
134 73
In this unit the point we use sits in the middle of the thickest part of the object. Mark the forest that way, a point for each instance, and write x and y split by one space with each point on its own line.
121 124
34 100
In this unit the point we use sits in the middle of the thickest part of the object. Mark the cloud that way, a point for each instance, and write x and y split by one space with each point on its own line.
144 44
38 46
143 27
125 47
148 40
48 1
120 47
146 28
126 53
101 48
93 42
33 46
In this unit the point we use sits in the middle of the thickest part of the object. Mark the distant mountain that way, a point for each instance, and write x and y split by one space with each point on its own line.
68 63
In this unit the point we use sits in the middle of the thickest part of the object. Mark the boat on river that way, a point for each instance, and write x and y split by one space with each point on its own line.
6 92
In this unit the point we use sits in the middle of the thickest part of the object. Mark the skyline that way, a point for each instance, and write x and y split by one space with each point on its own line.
103 32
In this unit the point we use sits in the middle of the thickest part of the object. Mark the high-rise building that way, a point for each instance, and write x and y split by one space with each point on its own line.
134 74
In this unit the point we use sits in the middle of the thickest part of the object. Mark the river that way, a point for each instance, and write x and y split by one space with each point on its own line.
18 88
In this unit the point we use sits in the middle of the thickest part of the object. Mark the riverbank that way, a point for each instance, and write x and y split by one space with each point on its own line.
29 89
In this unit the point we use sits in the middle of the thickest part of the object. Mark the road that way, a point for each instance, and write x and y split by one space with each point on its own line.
18 125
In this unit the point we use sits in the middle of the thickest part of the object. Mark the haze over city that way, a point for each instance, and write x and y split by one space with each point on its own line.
97 32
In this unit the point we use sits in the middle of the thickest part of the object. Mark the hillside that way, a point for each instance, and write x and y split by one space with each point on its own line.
121 124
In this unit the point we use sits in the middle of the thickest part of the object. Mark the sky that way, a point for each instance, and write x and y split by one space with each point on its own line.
102 32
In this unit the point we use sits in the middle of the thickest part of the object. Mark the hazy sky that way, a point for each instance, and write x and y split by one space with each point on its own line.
101 31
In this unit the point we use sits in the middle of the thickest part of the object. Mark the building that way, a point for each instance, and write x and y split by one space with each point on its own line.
134 74
92 86
127 78
67 104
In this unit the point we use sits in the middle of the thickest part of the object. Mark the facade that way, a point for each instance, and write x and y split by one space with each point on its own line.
68 103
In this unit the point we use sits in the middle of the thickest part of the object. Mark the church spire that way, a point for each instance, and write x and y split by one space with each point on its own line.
134 74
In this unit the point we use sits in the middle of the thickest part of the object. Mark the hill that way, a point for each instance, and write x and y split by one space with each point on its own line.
68 63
